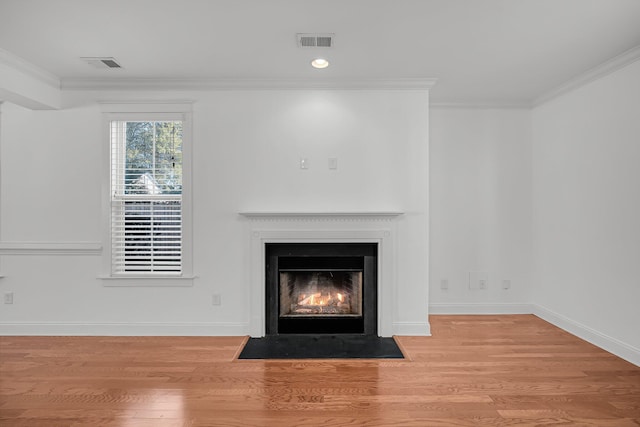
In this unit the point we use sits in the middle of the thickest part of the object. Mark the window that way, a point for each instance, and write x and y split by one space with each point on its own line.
146 197
147 211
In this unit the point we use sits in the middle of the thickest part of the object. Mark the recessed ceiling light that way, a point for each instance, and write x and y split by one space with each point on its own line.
319 63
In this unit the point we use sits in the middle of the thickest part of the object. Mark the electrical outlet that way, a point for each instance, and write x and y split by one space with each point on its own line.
478 280
444 284
506 284
8 297
216 299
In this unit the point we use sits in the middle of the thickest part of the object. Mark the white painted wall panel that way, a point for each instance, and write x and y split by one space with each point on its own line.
586 196
480 206
51 164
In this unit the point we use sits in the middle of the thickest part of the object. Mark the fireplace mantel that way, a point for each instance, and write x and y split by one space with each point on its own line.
378 227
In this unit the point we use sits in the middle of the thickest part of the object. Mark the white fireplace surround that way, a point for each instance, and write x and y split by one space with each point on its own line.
323 227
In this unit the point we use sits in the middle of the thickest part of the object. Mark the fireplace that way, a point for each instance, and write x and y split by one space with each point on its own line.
321 288
376 228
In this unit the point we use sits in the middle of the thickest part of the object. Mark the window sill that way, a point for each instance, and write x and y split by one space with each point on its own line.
148 281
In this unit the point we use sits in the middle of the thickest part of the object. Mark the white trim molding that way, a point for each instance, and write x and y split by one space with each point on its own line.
326 227
163 106
149 110
610 344
420 329
124 329
601 70
147 281
480 308
522 104
25 67
50 248
27 85
244 84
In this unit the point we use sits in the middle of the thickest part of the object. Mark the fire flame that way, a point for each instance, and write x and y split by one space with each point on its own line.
320 300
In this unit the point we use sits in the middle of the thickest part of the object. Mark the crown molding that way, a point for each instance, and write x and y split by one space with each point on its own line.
244 84
485 105
153 106
606 68
19 64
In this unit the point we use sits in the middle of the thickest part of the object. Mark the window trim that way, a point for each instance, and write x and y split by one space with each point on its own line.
149 111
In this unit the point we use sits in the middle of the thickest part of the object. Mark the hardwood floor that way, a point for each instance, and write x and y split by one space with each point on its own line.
473 371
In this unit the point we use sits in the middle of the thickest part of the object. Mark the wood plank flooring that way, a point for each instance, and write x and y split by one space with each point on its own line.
473 371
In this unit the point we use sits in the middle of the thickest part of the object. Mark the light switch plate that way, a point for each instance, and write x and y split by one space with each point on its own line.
8 297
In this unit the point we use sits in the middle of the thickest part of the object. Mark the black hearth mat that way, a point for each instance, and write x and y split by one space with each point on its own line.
321 347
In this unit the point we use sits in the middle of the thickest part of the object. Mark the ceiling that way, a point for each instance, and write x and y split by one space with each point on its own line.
481 51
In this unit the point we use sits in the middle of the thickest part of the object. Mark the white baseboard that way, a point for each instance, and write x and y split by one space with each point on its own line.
162 329
480 308
124 329
586 333
421 329
610 344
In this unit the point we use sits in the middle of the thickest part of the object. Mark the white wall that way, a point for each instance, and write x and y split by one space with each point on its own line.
247 146
480 208
586 199
547 199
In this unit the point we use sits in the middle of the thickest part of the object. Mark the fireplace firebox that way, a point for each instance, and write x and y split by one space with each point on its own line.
321 288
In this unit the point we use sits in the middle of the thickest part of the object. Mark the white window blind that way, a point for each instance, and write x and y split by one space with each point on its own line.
146 197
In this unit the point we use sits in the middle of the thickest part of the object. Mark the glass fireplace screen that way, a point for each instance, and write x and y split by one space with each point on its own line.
320 293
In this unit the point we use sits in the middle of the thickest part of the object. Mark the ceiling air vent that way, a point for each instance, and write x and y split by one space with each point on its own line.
103 62
315 40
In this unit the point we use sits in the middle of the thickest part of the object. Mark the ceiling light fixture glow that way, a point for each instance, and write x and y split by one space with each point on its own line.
319 63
